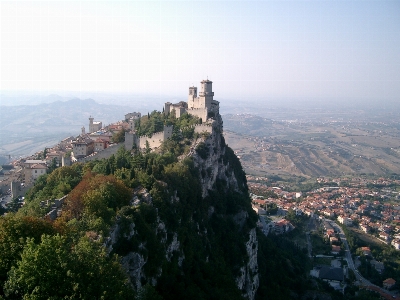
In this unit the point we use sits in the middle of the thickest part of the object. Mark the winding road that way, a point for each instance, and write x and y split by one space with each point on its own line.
363 281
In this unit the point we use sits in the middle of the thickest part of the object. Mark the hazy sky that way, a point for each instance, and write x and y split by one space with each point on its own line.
250 49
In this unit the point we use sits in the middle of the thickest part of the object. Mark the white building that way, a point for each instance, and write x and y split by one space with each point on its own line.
396 244
33 169
345 220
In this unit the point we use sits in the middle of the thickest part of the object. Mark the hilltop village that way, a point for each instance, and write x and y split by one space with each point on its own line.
153 194
366 205
103 141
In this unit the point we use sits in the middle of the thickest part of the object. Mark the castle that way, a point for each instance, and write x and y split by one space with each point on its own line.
93 126
203 106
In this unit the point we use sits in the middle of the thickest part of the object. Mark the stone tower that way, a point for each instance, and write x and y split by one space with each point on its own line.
192 94
206 94
91 124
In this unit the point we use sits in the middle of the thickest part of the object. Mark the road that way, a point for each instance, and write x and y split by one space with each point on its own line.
364 282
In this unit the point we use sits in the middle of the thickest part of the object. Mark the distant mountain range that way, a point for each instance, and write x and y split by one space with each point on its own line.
26 129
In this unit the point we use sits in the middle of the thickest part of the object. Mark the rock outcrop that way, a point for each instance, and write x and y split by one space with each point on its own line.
218 169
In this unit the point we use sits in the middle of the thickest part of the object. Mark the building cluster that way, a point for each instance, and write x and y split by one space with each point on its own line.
358 204
203 106
72 149
97 142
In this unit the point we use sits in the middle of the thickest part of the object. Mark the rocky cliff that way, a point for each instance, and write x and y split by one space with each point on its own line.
194 226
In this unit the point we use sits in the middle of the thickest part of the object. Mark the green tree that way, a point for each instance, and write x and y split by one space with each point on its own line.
14 231
118 137
58 268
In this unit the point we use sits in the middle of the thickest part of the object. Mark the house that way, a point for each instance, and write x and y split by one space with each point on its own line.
384 236
366 251
100 144
330 232
328 273
33 169
102 134
345 220
379 266
389 283
329 213
54 155
259 210
396 244
283 226
32 172
82 146
365 228
333 240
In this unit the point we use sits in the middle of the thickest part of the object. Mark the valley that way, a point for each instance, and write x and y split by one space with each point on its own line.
312 147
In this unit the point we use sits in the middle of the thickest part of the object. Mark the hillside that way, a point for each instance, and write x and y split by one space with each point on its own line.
26 129
313 145
187 231
175 223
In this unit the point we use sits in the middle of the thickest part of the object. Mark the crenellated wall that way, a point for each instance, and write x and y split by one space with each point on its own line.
198 112
106 153
156 139
199 128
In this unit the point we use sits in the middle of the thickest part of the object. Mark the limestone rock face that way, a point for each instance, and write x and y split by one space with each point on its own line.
213 164
133 264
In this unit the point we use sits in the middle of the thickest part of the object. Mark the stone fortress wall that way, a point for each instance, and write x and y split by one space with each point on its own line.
202 113
204 107
106 153
156 139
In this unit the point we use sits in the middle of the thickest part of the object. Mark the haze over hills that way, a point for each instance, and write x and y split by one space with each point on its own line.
308 141
316 143
26 129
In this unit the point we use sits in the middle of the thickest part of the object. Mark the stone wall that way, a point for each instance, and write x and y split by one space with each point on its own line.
199 112
156 139
106 153
203 127
130 140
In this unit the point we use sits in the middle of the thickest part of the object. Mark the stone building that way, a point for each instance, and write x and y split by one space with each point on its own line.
203 106
33 169
100 144
82 146
94 126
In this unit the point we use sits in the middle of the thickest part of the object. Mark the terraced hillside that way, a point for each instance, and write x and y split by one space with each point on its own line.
314 147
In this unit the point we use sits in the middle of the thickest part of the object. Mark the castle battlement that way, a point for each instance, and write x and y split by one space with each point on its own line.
204 107
197 106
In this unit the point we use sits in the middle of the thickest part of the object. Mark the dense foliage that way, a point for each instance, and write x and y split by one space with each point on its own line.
384 253
58 268
67 259
142 203
289 280
155 121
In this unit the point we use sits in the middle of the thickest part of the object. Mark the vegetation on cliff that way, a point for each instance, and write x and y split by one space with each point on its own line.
188 252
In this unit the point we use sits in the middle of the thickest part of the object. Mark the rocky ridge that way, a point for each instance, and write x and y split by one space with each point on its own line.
213 160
